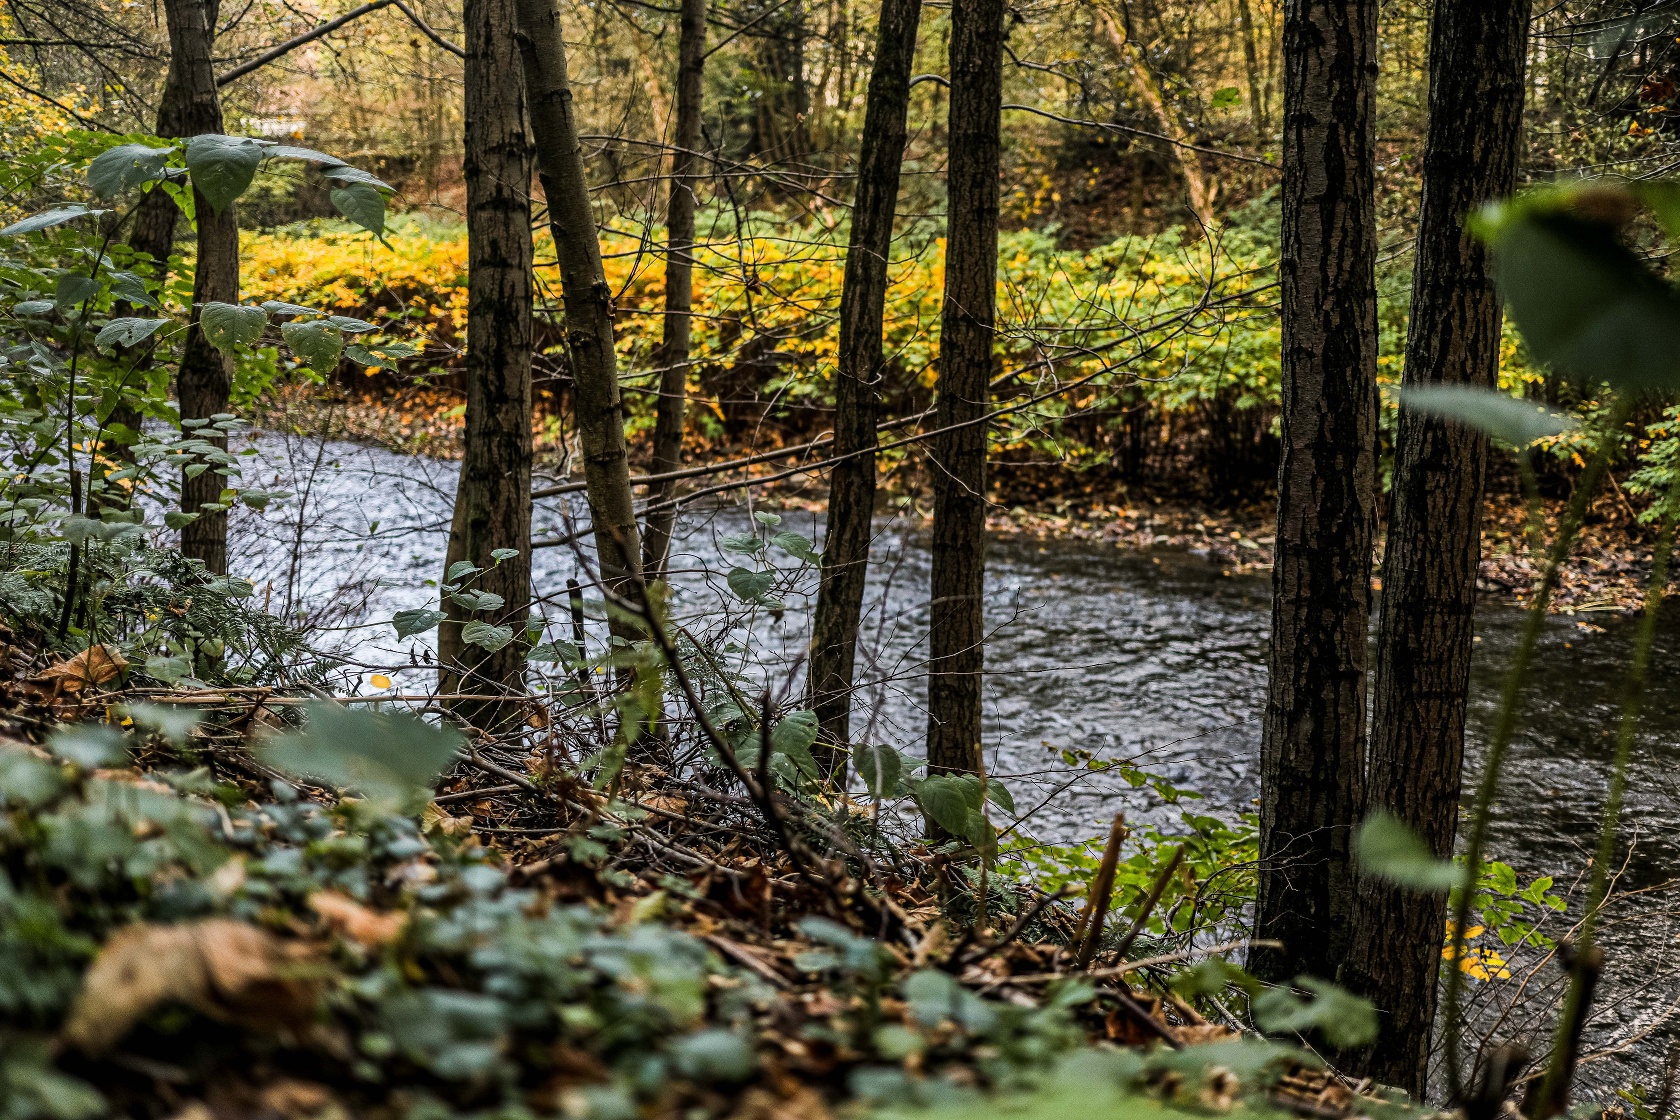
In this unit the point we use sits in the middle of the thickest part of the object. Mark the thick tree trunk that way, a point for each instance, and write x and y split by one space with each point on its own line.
857 375
1477 56
956 650
205 376
583 283
493 496
672 356
1314 726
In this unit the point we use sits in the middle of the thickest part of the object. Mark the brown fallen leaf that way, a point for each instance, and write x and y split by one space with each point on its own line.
94 665
230 971
349 918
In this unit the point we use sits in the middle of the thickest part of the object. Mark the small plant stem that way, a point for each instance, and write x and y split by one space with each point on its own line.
1505 724
1585 965
1102 888
1554 1091
1155 892
980 894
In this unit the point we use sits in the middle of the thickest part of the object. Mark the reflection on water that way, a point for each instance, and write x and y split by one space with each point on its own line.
1153 657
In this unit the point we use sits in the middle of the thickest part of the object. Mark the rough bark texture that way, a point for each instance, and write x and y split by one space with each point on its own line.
1251 66
205 376
588 299
857 375
493 496
1314 726
956 651
672 356
1477 55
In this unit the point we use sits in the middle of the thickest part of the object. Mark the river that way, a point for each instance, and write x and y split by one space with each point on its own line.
1154 656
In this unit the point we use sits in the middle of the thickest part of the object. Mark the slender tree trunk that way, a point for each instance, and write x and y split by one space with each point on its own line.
956 650
672 356
493 496
1196 183
588 299
857 376
1425 632
1251 64
1314 727
205 376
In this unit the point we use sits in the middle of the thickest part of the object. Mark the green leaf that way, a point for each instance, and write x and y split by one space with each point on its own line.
392 759
228 325
222 167
796 545
132 289
714 1055
476 600
745 544
500 554
46 219
410 623
174 519
90 745
765 517
316 342
749 585
74 288
556 653
1385 847
944 801
1583 301
344 173
173 723
127 332
1505 418
125 166
281 307
793 737
292 151
881 769
363 204
170 669
998 794
1345 1020
486 636
1225 97
33 307
459 570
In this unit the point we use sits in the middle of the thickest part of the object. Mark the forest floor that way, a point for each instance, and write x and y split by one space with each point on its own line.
1606 571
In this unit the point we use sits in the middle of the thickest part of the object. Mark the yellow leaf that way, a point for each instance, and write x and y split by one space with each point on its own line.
380 681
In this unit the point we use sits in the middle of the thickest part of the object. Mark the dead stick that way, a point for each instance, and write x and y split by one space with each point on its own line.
1159 888
1101 890
1552 1097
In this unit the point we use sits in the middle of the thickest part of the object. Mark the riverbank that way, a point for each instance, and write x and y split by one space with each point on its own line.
1606 572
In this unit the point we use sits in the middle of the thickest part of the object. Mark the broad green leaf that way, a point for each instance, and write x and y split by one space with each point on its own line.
281 307
765 517
74 288
363 204
346 323
1385 847
500 554
880 767
944 801
1583 301
292 151
125 166
998 794
793 737
555 653
228 325
1345 1020
127 332
46 219
460 570
796 545
392 759
316 342
749 585
486 636
132 289
169 669
410 623
1511 421
745 544
33 307
714 1055
222 167
344 173
1225 97
476 600
90 745
172 722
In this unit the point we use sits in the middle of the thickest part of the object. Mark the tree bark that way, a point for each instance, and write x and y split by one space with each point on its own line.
1314 725
1425 632
956 651
857 377
493 496
588 300
1251 64
671 359
206 375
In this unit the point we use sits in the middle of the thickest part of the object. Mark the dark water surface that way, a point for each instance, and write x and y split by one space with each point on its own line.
1157 657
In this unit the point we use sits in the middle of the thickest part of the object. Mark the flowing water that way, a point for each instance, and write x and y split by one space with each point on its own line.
1152 656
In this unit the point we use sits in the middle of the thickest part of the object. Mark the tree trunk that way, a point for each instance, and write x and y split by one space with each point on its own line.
205 376
1251 64
588 300
1196 183
1314 725
857 375
671 359
493 496
956 653
1424 635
